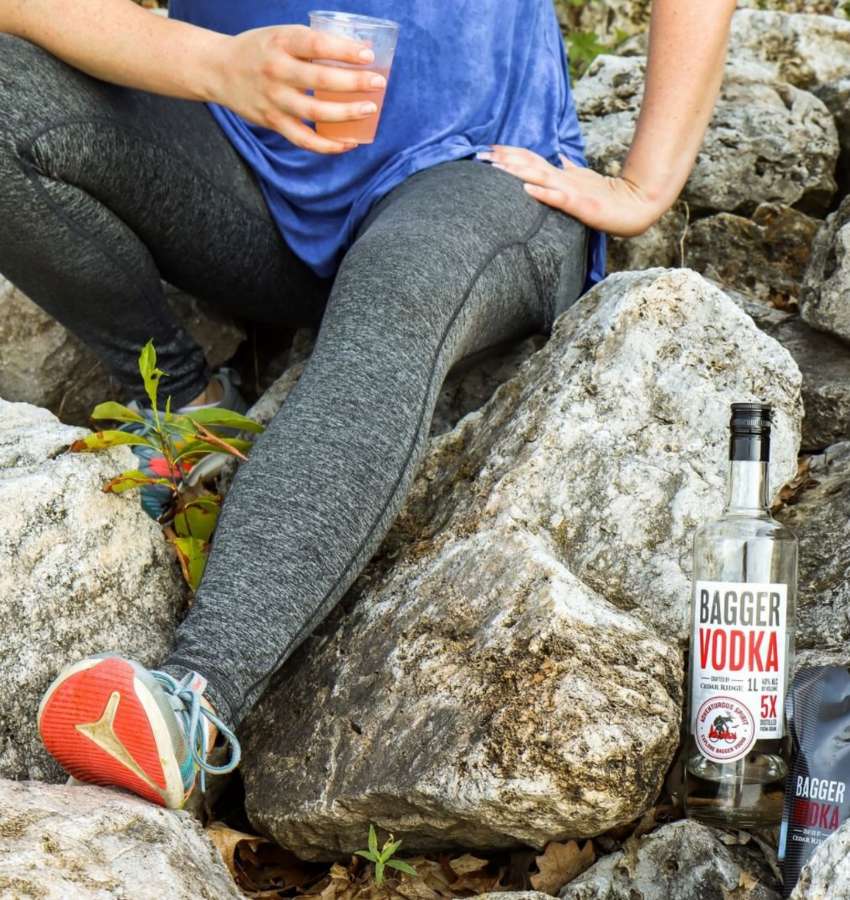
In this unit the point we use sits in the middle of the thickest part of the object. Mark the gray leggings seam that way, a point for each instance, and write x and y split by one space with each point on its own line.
320 611
535 274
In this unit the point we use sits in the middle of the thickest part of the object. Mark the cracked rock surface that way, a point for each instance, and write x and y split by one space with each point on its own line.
508 669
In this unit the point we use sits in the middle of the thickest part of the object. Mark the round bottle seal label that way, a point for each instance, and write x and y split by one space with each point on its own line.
725 729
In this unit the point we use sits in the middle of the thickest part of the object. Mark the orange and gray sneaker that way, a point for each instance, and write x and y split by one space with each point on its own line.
110 721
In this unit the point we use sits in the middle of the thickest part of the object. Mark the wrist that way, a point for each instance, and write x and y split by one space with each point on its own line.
657 191
207 77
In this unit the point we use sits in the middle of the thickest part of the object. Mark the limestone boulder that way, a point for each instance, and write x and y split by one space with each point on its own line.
81 572
824 364
765 256
88 843
827 874
768 142
804 50
817 7
473 381
681 861
508 669
825 298
42 364
819 517
515 895
613 20
610 21
809 51
662 244
836 96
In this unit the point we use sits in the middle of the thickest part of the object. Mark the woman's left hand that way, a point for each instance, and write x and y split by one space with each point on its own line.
615 205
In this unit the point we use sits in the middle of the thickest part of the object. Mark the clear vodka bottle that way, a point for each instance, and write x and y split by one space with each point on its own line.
742 642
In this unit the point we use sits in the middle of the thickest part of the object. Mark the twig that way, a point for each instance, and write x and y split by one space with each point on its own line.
684 236
211 438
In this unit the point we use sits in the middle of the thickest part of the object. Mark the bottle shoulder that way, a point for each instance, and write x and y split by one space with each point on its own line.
745 527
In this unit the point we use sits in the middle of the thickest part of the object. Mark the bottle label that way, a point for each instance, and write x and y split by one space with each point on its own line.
738 665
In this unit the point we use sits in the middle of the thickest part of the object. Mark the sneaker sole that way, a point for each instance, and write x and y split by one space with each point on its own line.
103 725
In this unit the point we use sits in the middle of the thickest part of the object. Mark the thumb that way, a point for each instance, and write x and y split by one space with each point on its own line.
566 163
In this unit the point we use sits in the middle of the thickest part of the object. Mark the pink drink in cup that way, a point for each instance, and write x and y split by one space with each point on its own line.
379 34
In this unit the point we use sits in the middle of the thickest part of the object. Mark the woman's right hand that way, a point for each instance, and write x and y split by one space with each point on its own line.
263 76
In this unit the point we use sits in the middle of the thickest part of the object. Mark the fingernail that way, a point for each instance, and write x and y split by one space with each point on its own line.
485 155
378 81
367 108
367 55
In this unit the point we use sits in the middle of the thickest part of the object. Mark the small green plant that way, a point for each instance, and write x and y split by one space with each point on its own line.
584 46
179 443
383 858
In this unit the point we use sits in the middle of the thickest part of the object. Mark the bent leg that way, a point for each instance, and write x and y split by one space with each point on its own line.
457 258
105 190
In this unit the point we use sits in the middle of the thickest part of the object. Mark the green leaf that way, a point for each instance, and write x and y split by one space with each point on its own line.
192 553
367 854
389 849
127 481
202 448
583 47
103 440
117 412
150 374
147 360
373 840
402 866
225 418
198 518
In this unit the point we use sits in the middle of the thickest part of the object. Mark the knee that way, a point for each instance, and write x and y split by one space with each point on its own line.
37 90
22 65
35 87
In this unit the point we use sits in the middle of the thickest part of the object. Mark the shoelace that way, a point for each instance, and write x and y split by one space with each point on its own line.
191 716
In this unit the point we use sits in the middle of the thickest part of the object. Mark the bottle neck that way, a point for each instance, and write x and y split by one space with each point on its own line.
749 487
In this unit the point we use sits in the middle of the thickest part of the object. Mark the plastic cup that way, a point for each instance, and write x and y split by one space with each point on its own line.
381 35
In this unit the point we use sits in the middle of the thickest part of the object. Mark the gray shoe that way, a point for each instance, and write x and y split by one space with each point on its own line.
213 465
231 399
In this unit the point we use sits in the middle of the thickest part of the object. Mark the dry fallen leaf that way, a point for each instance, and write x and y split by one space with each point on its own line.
227 840
467 863
560 864
793 490
431 876
746 884
739 837
260 867
747 881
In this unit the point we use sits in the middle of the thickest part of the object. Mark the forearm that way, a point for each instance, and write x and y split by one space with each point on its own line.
118 41
687 50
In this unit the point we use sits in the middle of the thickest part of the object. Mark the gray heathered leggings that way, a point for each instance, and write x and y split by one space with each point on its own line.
104 190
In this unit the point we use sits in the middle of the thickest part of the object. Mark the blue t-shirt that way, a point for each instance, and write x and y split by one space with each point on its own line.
466 74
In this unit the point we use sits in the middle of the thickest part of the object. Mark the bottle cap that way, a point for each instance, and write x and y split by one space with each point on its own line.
750 432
